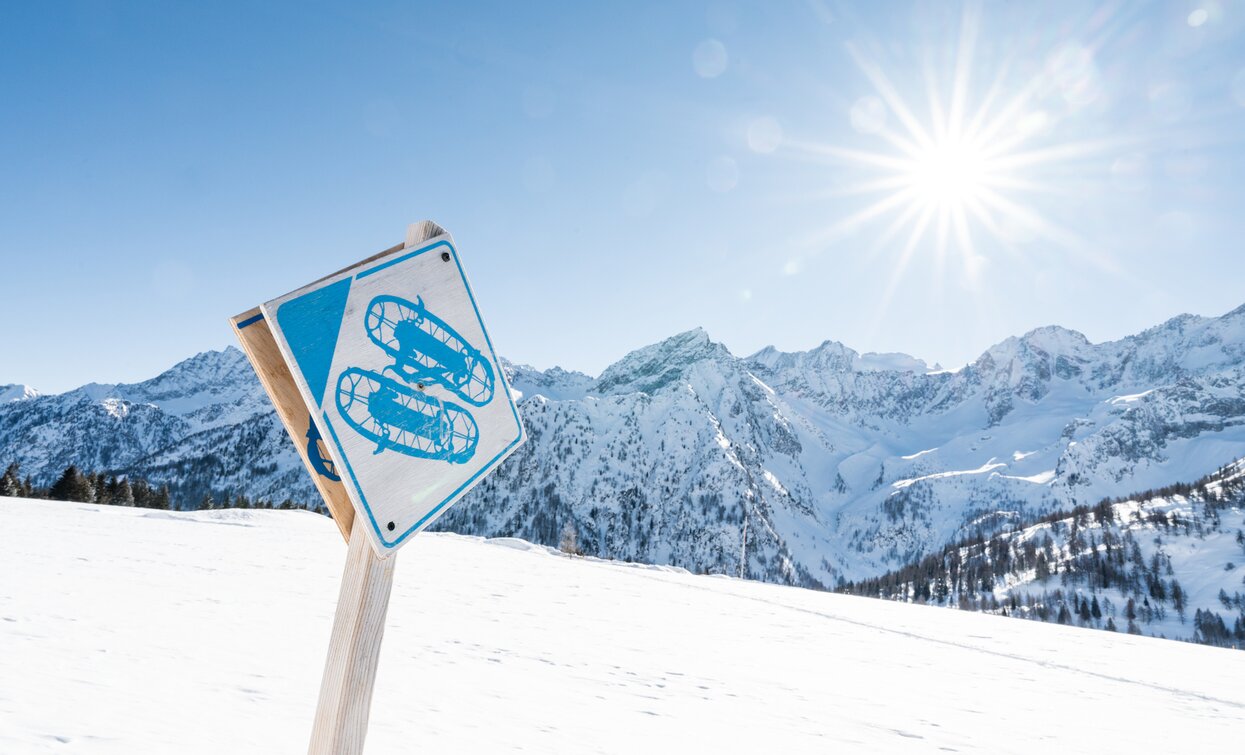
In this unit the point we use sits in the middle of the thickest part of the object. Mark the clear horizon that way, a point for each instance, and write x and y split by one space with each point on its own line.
924 178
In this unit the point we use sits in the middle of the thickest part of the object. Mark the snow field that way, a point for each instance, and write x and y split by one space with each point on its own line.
133 631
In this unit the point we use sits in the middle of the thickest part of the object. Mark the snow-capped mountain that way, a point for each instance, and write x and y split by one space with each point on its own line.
204 425
829 464
1162 563
805 467
16 393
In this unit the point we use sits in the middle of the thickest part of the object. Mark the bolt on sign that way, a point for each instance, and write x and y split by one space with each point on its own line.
386 379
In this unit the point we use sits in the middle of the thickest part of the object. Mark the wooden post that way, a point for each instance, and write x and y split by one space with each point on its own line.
358 626
354 649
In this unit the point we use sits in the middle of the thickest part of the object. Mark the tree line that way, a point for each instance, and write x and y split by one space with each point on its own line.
1090 554
85 487
121 490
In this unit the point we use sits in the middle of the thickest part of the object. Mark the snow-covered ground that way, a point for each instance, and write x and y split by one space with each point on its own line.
135 631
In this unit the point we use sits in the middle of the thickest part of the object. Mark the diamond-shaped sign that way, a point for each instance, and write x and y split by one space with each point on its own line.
394 361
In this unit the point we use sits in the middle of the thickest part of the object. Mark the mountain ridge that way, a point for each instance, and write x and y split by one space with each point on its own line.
1171 323
800 467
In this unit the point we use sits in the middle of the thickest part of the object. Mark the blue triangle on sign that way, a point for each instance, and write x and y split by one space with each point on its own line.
310 324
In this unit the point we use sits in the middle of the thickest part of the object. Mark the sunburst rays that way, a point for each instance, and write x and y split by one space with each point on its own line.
954 171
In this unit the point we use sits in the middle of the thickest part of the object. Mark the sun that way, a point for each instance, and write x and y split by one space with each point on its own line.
949 175
955 168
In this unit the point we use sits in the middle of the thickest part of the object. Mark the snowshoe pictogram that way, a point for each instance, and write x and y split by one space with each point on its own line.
396 417
424 347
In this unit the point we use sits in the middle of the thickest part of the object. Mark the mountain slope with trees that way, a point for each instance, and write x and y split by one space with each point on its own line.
806 468
1167 562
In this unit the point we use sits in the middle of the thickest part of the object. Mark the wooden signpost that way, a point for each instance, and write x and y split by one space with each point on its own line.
386 380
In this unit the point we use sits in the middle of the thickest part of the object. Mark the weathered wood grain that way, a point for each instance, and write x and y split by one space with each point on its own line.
354 649
274 375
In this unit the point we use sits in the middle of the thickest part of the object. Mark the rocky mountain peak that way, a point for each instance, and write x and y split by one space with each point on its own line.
554 383
1028 363
873 361
1055 339
828 356
651 368
16 392
204 374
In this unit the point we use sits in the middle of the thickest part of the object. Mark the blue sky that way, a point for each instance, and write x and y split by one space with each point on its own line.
617 173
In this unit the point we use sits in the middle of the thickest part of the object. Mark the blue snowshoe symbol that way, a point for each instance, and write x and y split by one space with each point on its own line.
424 347
319 458
398 418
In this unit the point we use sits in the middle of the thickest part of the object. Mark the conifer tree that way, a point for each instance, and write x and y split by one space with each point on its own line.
72 486
1178 599
11 482
99 485
1042 568
161 499
105 488
124 495
142 493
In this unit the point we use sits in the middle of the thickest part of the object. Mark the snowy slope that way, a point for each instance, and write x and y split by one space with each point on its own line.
1164 563
1192 540
131 631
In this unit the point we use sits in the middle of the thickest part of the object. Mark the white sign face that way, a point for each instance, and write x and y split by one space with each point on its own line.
394 361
